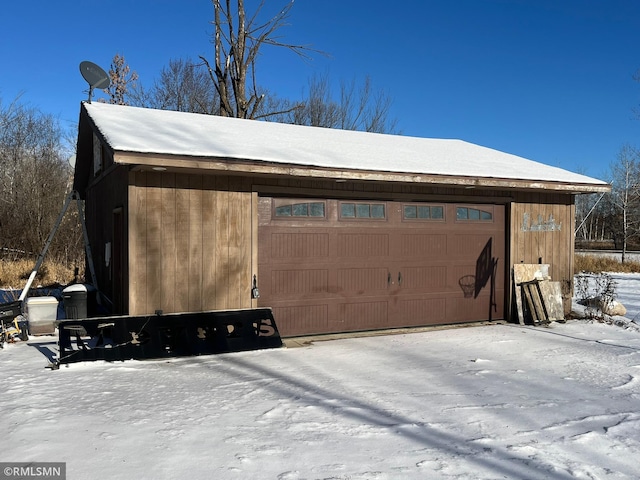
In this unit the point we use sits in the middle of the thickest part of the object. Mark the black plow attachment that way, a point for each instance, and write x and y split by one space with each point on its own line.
164 336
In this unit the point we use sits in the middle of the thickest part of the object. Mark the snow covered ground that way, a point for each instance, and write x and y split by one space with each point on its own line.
628 293
489 402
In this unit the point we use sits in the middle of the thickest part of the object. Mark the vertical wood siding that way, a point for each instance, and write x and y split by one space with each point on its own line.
542 231
191 245
169 261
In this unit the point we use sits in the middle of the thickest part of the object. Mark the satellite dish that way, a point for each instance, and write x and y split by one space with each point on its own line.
95 76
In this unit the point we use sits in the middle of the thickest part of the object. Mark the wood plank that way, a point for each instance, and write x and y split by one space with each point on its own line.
222 243
528 301
538 304
154 281
209 273
236 240
195 244
169 249
517 290
138 246
197 165
254 244
246 250
182 244
526 272
551 293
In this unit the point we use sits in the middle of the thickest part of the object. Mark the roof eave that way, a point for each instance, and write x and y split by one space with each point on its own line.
141 161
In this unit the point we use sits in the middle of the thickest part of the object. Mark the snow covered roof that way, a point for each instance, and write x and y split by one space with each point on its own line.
161 132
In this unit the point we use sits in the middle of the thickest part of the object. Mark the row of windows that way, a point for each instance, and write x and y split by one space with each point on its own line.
464 213
311 209
363 210
423 212
377 211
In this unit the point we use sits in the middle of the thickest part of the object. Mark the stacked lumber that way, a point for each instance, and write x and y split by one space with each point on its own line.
538 299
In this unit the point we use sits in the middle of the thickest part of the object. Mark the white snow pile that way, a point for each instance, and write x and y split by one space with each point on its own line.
488 402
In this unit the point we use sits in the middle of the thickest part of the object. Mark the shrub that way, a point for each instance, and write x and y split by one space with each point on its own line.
597 292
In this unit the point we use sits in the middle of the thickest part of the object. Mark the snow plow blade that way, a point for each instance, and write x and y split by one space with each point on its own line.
164 336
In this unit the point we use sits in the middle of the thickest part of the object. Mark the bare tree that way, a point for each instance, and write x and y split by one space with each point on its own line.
362 108
34 180
121 80
237 41
182 86
318 109
626 194
356 107
228 87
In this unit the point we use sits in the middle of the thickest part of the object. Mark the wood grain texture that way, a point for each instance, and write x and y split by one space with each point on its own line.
207 251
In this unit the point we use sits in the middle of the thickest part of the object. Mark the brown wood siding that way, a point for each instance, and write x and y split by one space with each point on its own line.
221 244
209 232
169 242
190 243
195 246
543 232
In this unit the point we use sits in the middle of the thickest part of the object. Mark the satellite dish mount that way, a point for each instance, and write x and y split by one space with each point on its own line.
95 76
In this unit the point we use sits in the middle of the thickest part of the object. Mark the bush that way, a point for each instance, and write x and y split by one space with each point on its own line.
597 292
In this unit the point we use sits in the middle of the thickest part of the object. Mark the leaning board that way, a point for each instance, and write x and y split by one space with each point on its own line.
551 293
527 272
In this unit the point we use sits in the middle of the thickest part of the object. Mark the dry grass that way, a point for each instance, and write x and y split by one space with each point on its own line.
14 274
599 264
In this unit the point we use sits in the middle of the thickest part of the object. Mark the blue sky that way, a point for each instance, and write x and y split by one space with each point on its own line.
549 80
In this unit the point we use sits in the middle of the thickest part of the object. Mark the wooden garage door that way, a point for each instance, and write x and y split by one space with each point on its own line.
336 266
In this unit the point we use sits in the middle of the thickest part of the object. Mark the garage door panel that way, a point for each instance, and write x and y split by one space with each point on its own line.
357 245
423 277
363 314
466 309
416 245
337 274
466 245
299 282
423 311
354 281
283 247
299 245
302 318
459 272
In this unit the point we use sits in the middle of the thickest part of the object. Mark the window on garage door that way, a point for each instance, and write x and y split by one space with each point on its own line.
363 211
471 214
296 208
422 212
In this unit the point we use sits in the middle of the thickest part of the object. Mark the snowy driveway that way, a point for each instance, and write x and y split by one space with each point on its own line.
487 402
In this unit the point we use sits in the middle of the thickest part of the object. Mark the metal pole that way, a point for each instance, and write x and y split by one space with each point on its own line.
87 249
40 259
588 214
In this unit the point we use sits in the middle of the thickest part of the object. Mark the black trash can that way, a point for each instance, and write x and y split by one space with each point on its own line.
78 301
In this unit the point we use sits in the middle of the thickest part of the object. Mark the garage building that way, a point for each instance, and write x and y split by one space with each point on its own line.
335 230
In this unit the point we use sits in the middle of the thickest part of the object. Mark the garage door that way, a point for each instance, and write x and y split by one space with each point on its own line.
329 266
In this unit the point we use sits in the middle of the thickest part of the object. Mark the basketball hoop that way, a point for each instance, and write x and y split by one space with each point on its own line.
468 285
